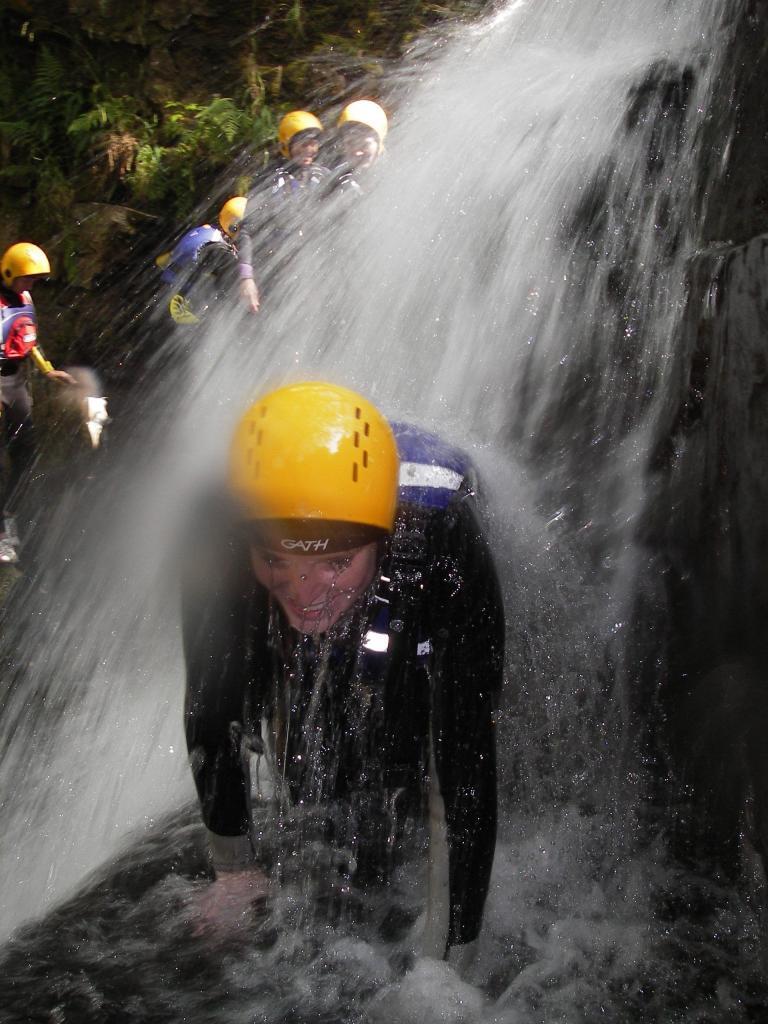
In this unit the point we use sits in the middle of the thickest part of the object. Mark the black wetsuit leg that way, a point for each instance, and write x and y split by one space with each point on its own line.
18 436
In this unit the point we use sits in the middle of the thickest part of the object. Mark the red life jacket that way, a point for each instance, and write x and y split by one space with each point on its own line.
19 325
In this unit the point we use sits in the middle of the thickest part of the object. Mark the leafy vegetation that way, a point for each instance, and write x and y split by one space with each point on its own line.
97 110
157 159
69 141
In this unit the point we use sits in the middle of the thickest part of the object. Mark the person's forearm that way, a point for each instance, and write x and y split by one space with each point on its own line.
245 254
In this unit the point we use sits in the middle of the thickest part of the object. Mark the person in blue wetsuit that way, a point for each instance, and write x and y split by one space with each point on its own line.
201 269
342 616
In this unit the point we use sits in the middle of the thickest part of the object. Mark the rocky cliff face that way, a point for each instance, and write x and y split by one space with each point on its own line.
737 208
707 530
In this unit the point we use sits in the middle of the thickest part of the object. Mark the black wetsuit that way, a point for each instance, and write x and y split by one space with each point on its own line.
275 218
344 179
420 656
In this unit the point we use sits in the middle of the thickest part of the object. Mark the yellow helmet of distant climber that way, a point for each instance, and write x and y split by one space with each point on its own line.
23 259
231 214
368 113
293 123
317 466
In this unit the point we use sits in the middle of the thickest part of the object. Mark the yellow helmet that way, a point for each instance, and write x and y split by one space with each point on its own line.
22 260
293 123
317 465
368 113
230 215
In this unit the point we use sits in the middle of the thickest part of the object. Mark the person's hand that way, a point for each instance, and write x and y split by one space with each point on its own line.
227 904
249 293
61 377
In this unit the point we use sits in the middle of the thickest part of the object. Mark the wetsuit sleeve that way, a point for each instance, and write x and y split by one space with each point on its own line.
220 604
251 226
468 664
245 242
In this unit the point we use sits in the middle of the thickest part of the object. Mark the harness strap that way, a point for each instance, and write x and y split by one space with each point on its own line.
396 646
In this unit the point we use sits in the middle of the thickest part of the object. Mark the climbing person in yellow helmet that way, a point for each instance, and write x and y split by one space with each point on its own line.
298 135
231 216
21 266
201 269
343 623
362 129
276 206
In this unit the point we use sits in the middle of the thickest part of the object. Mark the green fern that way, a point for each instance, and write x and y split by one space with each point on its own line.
48 103
116 112
48 84
146 178
22 134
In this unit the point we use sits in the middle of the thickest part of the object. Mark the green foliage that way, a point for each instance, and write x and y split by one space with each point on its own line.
212 129
50 100
70 137
117 112
148 176
85 117
295 19
191 136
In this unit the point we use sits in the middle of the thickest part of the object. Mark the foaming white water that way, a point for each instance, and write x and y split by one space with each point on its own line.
474 291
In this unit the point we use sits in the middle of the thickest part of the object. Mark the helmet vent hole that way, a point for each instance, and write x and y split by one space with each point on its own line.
354 472
367 429
357 439
365 458
358 414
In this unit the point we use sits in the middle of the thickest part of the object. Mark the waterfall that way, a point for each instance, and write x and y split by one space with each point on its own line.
515 279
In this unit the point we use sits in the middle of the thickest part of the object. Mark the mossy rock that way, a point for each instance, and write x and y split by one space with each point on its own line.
98 231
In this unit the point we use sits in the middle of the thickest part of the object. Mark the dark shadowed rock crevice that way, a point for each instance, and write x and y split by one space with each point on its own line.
708 524
737 205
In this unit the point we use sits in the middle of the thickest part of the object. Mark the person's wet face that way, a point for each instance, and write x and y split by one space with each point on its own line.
303 148
314 592
361 147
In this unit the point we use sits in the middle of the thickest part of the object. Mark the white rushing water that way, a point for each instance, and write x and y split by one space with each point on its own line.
513 280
